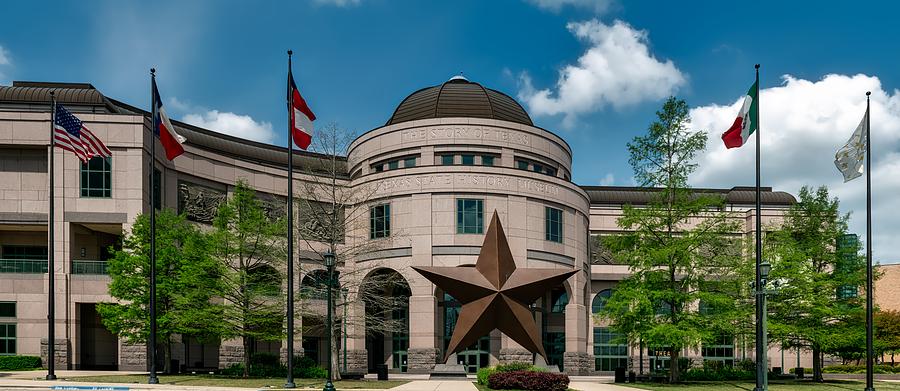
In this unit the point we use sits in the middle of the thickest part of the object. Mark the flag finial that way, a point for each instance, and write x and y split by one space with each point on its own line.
290 52
868 93
153 71
756 66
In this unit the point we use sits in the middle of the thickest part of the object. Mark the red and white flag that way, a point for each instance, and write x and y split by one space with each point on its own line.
301 116
71 134
170 140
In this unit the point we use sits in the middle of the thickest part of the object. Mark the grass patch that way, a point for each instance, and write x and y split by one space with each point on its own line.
219 381
790 385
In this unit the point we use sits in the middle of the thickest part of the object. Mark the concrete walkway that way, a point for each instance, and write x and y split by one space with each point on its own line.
437 385
594 386
21 384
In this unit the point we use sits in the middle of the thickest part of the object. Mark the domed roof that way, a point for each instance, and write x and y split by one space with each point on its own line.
459 97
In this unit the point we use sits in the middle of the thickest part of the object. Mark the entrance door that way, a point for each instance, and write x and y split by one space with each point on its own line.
98 348
476 356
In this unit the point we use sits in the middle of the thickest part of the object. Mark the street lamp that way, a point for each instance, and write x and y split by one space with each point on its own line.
329 264
762 366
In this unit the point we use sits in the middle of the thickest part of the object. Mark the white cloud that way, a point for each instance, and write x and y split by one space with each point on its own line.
803 123
617 70
608 180
339 3
4 61
237 125
598 6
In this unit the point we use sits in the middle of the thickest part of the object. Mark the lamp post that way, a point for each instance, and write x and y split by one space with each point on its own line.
762 366
329 264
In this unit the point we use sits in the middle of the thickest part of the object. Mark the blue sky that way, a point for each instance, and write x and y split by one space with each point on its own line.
222 64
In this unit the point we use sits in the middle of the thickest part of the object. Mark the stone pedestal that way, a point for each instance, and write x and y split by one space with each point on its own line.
133 357
421 360
230 355
62 353
508 356
357 361
578 363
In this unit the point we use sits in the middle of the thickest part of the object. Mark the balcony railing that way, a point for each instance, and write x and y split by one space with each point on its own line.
23 266
88 267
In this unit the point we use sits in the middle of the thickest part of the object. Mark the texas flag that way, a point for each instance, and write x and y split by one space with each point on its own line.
301 116
170 140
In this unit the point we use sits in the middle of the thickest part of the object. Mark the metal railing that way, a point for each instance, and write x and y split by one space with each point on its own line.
82 266
23 266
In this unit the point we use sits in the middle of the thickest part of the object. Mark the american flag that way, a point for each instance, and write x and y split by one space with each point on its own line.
71 135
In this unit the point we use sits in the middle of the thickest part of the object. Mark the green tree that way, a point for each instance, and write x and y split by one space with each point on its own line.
187 281
680 247
887 332
249 246
818 273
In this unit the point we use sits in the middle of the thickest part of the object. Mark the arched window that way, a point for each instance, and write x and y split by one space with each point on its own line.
560 300
600 300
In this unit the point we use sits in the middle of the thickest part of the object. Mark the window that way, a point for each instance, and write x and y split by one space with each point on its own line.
560 300
447 160
551 171
36 253
23 259
610 350
721 348
96 177
409 162
393 164
537 167
553 224
7 339
522 164
468 160
380 221
7 309
379 167
487 160
600 300
469 216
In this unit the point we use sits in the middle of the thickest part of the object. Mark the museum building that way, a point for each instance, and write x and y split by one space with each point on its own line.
448 157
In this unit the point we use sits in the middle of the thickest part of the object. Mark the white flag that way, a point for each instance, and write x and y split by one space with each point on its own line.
849 159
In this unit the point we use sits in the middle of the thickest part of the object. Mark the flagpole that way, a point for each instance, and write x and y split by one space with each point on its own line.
290 235
153 379
870 350
762 366
51 286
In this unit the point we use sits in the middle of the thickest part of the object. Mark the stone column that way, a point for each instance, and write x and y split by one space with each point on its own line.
62 353
132 357
576 359
231 352
422 354
357 355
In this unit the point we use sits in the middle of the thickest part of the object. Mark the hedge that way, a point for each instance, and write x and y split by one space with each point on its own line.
528 380
484 373
882 368
19 363
268 365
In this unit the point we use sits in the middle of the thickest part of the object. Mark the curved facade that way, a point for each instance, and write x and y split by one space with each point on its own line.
422 189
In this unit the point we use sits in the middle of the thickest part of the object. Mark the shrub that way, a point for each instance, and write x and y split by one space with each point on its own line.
484 373
19 363
883 368
746 365
269 365
528 380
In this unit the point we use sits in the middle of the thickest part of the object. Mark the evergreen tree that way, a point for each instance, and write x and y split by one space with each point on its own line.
249 247
679 247
187 281
819 274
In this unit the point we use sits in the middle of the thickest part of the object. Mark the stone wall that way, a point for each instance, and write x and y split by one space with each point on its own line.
298 352
133 357
421 360
62 353
578 363
515 355
357 361
229 355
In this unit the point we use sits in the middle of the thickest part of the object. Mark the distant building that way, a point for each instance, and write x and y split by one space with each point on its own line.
447 157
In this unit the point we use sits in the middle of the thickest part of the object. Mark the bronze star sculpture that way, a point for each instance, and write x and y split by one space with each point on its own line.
494 294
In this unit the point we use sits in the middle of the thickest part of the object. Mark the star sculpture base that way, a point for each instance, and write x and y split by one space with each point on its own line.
494 294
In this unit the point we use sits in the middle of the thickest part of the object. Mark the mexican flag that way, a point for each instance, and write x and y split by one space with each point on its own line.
746 122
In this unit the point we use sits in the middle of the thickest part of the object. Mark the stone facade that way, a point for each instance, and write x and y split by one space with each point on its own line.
298 352
133 357
357 361
230 355
515 355
62 353
421 360
578 363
